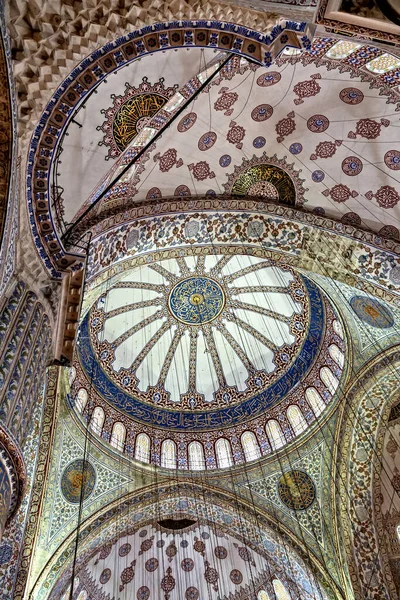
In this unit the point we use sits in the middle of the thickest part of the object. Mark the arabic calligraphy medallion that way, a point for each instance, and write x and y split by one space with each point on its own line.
196 300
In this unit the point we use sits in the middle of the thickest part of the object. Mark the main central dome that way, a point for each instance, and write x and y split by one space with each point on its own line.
204 339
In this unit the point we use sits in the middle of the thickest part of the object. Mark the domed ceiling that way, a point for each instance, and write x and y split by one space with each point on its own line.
190 562
208 346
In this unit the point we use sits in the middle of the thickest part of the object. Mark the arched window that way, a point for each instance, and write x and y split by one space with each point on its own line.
196 456
275 434
81 399
118 436
281 592
296 419
142 448
168 454
337 328
337 355
250 446
262 595
97 420
224 453
328 378
82 595
315 401
398 531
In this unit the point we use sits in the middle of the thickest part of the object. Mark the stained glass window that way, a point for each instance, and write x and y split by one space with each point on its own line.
173 103
118 436
292 51
342 49
142 448
329 379
281 592
144 137
250 446
97 420
337 355
275 434
315 401
262 595
82 595
384 63
168 454
224 453
296 419
337 328
398 531
196 456
81 399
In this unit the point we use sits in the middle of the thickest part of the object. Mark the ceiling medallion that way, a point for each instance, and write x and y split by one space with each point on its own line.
269 178
296 489
196 300
77 475
131 112
372 312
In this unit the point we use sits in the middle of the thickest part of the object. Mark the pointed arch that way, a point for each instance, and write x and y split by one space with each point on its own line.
337 355
250 446
296 419
142 448
275 434
81 400
337 328
97 420
118 436
223 452
329 380
196 456
281 592
168 454
315 401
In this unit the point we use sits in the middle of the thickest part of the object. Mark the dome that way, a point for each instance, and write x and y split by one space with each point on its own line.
207 359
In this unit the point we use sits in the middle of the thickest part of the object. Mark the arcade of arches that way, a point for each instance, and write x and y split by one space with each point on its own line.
199 301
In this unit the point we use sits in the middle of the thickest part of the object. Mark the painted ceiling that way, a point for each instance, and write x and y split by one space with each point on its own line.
317 130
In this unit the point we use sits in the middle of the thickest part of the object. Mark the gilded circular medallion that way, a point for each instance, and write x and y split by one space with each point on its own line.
372 312
196 300
77 475
296 489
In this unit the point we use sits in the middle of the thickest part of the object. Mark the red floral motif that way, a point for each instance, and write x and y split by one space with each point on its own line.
171 551
167 160
146 545
351 96
306 89
192 593
127 575
207 141
236 576
351 218
340 193
187 122
352 166
236 134
318 123
154 192
211 575
199 546
167 583
226 101
245 554
386 196
325 150
182 190
104 552
368 128
285 127
392 159
201 170
262 112
268 78
143 593
390 231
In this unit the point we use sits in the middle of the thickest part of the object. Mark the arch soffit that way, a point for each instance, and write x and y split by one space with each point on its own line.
367 406
266 530
258 47
301 239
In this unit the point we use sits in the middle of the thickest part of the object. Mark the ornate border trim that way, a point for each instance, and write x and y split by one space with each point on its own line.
258 47
13 460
